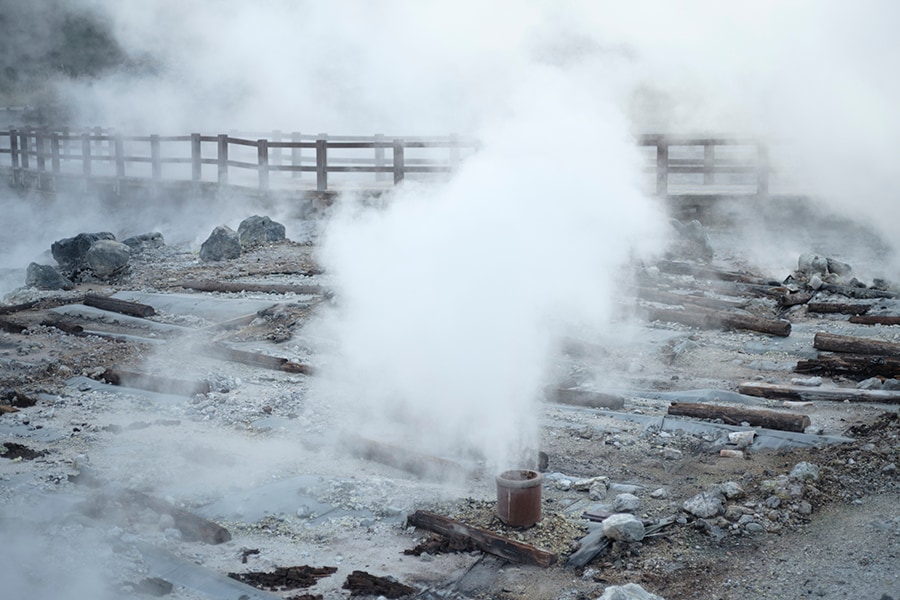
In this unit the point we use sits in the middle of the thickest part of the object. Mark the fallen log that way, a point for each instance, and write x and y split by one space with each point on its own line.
255 359
685 268
265 288
860 366
850 308
854 345
875 319
856 292
5 310
361 583
803 393
125 307
789 299
10 327
585 398
192 527
487 541
64 326
417 463
712 319
664 297
735 416
154 383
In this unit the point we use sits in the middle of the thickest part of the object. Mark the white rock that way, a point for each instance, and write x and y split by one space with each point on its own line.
629 591
623 527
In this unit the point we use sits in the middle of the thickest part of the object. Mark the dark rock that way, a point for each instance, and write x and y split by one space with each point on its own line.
46 277
107 257
223 244
70 253
838 268
145 241
257 230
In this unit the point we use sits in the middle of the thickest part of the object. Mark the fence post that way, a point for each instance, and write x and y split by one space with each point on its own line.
222 158
54 152
399 172
39 150
155 164
321 163
454 151
709 162
762 169
379 157
120 156
14 147
662 166
86 154
296 155
262 156
275 153
196 159
24 149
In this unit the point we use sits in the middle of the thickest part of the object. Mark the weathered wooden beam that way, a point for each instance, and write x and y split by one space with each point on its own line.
735 416
854 345
852 308
686 268
365 584
10 327
265 288
417 463
255 359
811 394
856 292
487 541
191 526
789 299
585 398
155 383
875 319
664 297
64 326
124 307
711 319
859 366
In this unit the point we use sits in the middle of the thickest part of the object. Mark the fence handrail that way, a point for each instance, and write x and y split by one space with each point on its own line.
295 153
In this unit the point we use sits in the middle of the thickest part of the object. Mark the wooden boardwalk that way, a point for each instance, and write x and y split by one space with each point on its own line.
273 162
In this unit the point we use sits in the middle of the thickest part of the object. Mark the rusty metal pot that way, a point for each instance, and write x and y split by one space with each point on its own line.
519 497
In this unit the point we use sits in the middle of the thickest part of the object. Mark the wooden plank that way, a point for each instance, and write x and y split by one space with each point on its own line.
254 359
859 366
155 383
875 319
854 345
417 463
486 541
811 394
852 308
191 526
124 307
207 285
735 416
585 398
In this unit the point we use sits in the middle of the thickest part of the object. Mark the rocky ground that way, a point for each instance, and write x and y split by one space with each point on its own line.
816 516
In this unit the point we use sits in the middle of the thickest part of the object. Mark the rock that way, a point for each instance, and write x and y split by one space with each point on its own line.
659 493
810 263
741 439
732 490
46 277
629 591
623 527
597 491
872 383
70 252
145 241
815 282
837 267
805 471
754 527
107 257
257 230
671 454
223 244
891 384
585 484
624 488
704 505
626 503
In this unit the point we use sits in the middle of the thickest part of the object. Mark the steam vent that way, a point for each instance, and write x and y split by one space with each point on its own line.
429 300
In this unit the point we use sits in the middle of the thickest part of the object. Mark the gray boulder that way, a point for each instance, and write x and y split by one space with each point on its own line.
623 527
629 591
145 241
222 244
704 505
71 253
46 277
810 263
107 257
626 503
257 230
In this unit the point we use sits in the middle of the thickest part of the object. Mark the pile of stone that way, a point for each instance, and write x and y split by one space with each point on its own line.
226 244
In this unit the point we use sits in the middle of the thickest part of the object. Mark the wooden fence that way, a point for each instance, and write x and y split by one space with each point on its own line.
40 157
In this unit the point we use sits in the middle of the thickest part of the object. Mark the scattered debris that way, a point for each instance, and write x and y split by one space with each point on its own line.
361 583
285 578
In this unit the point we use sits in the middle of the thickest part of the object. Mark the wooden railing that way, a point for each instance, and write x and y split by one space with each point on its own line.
274 160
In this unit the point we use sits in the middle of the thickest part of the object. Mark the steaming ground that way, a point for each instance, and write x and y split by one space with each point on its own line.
264 455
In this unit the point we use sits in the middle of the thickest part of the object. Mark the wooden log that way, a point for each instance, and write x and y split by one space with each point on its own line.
154 383
417 463
686 268
585 398
851 308
735 416
854 345
487 541
875 319
664 297
191 526
265 288
255 359
856 292
64 326
5 310
10 327
135 309
860 366
789 299
803 393
365 584
710 319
